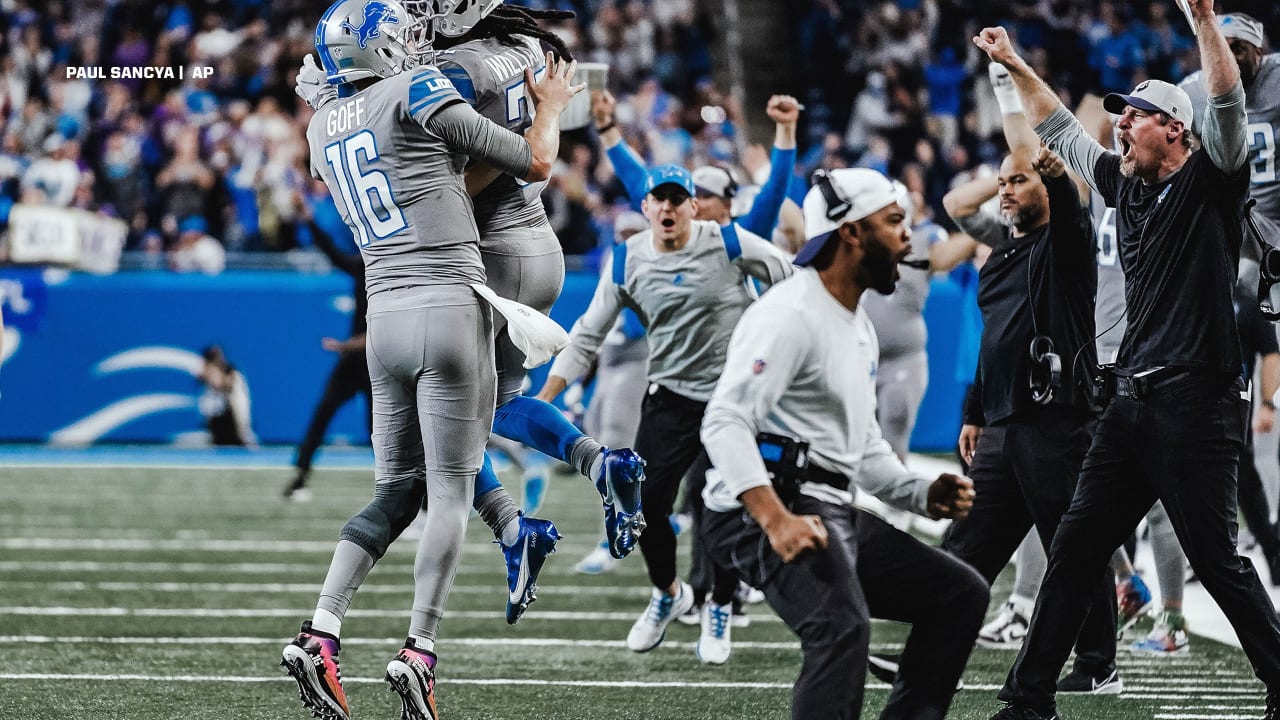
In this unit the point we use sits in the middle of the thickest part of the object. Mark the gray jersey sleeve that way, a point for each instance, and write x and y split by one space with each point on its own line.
466 131
762 259
1064 135
590 330
1224 130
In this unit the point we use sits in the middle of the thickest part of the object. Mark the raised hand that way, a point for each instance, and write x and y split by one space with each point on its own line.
553 92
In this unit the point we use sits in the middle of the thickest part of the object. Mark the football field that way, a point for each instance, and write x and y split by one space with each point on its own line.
168 592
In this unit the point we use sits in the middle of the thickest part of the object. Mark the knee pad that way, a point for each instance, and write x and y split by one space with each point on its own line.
394 506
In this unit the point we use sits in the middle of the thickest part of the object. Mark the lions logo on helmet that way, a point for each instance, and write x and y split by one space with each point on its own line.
375 13
359 39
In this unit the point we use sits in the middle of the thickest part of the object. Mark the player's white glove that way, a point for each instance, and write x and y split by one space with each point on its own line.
1006 94
312 85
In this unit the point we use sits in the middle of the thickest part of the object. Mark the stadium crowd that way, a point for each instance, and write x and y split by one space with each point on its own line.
223 157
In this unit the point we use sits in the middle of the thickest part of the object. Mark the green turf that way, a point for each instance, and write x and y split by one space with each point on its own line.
119 572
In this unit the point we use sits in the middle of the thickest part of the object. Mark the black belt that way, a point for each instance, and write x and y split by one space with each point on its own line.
1142 386
815 474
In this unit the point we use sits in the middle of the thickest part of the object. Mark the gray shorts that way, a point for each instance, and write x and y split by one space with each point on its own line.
534 279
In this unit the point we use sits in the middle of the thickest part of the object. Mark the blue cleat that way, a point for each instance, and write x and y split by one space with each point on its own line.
621 476
524 562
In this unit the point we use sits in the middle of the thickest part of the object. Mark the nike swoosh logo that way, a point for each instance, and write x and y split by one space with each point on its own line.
523 578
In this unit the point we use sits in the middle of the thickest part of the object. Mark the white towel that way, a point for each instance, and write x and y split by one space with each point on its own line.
538 336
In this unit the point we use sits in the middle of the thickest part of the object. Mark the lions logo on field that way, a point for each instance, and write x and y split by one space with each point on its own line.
375 13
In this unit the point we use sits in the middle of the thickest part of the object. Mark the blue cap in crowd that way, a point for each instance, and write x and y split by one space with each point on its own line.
193 223
670 175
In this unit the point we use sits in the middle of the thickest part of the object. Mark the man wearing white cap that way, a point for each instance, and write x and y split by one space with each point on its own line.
792 432
1174 423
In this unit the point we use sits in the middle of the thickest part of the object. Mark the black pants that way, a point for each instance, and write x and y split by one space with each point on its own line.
1025 473
669 440
869 569
1181 445
350 375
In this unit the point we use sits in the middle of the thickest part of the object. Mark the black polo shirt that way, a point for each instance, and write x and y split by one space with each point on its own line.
1042 283
1179 246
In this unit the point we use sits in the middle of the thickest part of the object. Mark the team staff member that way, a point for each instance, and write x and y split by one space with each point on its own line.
1026 437
686 280
802 364
1176 425
350 375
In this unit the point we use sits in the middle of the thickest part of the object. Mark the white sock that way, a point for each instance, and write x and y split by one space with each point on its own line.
424 644
595 467
511 531
326 622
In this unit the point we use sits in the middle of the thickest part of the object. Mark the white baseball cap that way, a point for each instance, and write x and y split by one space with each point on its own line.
1153 96
1242 27
838 197
718 181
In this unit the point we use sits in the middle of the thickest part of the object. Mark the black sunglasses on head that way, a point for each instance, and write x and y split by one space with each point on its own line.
672 193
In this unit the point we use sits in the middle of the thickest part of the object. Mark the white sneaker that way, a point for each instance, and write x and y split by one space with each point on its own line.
1006 631
597 561
649 630
749 595
714 644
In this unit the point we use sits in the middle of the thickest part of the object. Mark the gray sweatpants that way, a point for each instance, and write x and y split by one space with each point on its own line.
431 366
525 265
900 386
621 381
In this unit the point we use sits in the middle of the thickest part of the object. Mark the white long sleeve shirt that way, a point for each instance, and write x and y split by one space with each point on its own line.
689 301
800 364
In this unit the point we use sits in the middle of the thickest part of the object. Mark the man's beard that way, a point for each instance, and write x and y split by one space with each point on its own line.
1128 166
879 270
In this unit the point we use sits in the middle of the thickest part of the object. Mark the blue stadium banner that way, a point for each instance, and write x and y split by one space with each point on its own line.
99 359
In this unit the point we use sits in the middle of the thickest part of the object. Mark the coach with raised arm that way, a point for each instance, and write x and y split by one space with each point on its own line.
1177 404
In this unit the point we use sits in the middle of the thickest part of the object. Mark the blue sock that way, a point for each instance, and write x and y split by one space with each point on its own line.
486 479
538 424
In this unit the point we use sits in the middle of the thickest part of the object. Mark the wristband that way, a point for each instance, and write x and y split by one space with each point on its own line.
607 127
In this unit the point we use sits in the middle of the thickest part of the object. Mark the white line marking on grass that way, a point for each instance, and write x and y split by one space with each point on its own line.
373 681
537 682
1201 716
389 642
264 545
252 568
636 592
572 616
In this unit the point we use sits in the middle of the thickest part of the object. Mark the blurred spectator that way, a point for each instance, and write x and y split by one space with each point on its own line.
52 179
195 250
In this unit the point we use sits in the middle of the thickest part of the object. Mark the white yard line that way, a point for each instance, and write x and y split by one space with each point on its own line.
63 611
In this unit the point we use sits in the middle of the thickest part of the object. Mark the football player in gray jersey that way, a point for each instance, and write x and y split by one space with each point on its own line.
391 149
1260 75
486 60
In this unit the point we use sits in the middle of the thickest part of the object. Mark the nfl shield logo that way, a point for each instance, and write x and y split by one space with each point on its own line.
758 367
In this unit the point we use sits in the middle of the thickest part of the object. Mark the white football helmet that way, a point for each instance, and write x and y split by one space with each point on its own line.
359 39
454 18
